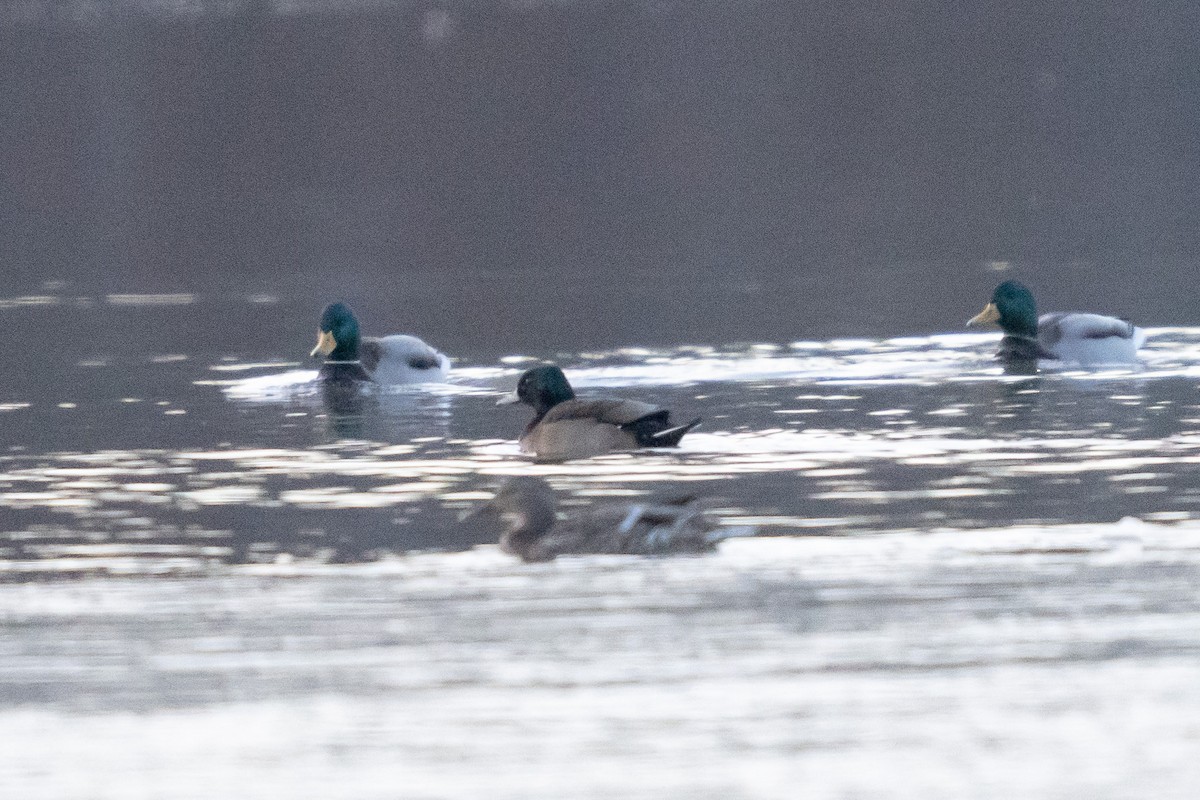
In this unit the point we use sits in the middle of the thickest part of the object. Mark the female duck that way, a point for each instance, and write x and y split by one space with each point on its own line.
566 427
390 359
1086 339
525 508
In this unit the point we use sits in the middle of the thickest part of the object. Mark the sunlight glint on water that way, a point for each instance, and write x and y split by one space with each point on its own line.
839 437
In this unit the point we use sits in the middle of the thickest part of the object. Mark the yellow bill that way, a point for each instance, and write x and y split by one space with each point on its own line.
988 316
326 344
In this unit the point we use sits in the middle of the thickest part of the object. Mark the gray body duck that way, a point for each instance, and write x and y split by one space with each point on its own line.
396 359
567 427
524 509
1081 338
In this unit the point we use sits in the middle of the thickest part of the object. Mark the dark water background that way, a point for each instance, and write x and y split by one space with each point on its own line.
792 169
773 215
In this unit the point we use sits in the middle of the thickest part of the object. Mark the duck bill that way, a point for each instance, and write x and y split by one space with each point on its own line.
471 514
508 399
326 344
989 316
481 511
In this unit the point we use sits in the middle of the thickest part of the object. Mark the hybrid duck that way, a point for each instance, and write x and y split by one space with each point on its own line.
566 427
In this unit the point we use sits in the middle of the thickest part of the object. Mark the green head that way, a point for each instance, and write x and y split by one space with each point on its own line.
1012 308
541 387
337 336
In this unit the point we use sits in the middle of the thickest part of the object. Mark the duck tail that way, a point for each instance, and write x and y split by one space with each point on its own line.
730 532
671 436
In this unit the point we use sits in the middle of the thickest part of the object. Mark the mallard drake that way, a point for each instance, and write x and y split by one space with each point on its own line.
390 359
565 427
1086 339
525 509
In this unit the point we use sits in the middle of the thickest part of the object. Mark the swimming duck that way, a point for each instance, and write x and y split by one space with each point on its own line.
1087 339
526 508
390 359
566 427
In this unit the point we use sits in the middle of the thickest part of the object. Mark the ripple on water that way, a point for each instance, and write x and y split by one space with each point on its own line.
1171 352
840 437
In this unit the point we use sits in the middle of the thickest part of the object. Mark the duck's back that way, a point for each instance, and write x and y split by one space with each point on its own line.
607 411
1087 338
635 529
401 359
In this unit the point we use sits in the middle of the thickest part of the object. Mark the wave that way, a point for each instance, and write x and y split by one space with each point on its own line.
946 357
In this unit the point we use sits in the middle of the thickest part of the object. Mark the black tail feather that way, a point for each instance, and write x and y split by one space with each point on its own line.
653 430
671 436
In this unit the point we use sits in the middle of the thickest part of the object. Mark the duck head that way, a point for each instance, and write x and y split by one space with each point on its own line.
524 506
1012 308
540 387
337 336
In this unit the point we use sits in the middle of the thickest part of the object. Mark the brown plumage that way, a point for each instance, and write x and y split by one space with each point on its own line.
566 427
524 510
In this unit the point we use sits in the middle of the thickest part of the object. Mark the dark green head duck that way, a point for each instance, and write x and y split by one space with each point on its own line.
1012 308
566 427
1081 338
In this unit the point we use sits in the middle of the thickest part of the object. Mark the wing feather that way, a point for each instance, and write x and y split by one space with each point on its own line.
609 411
1053 328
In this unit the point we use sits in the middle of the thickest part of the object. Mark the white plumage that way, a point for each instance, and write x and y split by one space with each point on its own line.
1090 339
400 359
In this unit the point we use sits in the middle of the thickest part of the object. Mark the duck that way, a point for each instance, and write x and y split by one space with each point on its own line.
396 359
1081 338
565 427
524 507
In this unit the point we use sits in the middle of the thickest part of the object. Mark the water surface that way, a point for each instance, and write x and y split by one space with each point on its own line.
179 455
209 577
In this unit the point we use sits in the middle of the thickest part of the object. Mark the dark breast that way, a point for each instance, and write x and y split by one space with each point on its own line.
342 373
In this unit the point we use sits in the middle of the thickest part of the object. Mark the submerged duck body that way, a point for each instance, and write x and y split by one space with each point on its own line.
567 427
531 529
397 359
1077 337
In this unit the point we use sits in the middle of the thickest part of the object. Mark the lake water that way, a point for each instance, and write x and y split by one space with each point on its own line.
773 215
969 584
